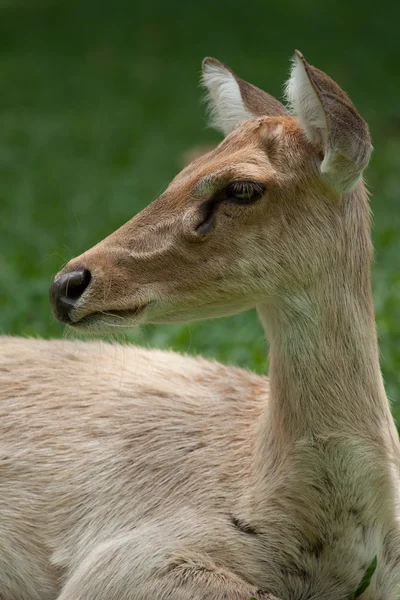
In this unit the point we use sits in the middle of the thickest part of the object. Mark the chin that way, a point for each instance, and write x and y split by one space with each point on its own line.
112 321
199 311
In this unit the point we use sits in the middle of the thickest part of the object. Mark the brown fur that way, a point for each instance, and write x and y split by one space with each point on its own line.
135 474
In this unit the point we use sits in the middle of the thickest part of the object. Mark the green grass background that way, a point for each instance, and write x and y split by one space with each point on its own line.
98 101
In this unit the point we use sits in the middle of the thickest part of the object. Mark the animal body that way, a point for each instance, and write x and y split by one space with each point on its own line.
132 474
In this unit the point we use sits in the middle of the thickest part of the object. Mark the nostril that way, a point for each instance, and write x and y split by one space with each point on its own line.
66 290
75 283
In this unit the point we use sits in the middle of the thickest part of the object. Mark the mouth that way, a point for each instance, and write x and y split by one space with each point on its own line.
109 318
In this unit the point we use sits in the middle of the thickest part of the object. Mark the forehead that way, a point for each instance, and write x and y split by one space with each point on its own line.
245 153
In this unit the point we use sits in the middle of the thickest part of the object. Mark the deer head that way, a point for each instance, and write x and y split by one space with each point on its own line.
254 220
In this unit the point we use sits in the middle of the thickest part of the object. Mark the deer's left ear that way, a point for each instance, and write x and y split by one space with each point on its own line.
331 122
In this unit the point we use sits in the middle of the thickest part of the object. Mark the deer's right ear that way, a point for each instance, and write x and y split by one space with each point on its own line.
330 122
232 100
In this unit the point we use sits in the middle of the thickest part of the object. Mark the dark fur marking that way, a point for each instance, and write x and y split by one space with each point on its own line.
355 512
290 568
196 447
243 526
315 548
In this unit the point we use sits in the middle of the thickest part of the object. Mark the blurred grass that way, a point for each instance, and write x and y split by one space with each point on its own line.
99 100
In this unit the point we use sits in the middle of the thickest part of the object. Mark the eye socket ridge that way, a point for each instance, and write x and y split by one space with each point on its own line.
244 191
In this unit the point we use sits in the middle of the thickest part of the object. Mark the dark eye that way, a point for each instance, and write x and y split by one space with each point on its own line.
244 192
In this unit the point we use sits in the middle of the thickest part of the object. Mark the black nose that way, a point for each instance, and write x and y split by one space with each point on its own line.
66 290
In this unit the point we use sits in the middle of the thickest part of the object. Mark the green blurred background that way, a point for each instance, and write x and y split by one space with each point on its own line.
100 100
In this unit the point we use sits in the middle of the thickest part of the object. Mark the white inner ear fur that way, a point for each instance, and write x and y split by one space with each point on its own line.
304 103
225 100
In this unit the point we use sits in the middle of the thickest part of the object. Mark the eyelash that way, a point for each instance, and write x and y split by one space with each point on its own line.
231 193
244 192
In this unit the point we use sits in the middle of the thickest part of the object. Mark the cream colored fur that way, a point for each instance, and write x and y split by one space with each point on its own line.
226 105
304 103
132 474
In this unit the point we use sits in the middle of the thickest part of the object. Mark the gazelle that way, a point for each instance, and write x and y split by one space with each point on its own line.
131 474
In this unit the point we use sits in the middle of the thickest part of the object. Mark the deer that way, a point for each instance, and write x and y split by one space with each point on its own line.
135 474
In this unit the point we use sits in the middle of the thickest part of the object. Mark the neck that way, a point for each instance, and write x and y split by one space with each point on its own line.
324 363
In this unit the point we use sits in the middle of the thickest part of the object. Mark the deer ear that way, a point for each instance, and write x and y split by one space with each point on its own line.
233 100
331 123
